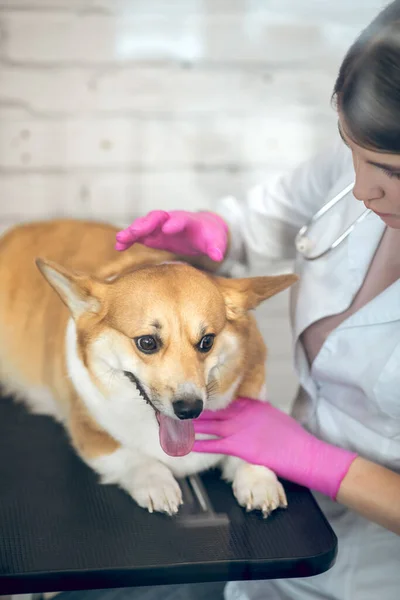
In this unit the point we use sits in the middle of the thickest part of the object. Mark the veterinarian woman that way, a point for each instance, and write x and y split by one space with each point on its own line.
344 438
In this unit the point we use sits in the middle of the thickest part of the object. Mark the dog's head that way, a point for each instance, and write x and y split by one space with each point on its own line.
167 335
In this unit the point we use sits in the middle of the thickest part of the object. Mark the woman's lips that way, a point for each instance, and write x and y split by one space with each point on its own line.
384 215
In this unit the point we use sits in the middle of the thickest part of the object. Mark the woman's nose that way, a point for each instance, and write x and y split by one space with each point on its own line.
366 193
366 189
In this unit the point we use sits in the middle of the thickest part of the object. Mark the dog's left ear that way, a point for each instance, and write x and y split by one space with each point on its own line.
79 292
242 295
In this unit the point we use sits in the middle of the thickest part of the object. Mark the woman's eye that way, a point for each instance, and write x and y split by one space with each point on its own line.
147 344
206 343
391 173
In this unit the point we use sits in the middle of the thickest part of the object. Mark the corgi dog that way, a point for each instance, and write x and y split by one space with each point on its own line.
126 349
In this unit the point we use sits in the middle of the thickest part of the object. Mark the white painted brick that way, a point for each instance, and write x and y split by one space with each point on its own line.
106 143
62 36
12 113
31 195
279 138
112 196
18 5
194 190
39 195
171 90
135 194
34 143
29 143
55 91
357 11
262 36
115 195
271 140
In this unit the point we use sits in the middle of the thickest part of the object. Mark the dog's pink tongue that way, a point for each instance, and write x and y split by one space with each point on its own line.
176 437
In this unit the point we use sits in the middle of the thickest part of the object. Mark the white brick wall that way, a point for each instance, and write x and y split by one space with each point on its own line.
110 108
114 107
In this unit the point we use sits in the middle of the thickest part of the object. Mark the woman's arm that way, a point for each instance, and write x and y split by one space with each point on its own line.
261 434
373 492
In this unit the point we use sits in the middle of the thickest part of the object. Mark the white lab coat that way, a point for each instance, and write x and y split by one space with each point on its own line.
351 395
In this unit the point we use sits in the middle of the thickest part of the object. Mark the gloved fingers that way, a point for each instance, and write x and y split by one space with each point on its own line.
175 224
120 246
210 427
210 446
213 242
215 253
142 227
220 415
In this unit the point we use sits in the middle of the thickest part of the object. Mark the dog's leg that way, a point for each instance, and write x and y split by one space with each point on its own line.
149 482
255 487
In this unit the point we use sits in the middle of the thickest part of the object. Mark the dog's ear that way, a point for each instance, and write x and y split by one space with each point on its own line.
79 292
242 295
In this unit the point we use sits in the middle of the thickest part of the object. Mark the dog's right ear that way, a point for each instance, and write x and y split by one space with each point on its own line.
242 295
79 292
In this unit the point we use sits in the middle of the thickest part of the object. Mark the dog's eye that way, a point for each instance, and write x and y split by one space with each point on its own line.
206 343
147 344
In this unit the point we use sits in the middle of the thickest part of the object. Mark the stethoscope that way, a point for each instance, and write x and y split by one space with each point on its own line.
304 245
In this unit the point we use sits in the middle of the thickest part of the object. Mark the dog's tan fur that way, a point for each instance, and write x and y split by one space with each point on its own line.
113 298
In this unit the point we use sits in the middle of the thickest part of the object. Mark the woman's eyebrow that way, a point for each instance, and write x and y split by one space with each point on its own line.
384 166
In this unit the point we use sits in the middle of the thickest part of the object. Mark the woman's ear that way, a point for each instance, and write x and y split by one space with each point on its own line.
242 295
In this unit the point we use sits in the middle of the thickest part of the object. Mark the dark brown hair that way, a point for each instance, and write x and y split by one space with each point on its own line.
367 89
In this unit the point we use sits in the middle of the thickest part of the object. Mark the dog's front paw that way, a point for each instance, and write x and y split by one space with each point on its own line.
257 488
157 491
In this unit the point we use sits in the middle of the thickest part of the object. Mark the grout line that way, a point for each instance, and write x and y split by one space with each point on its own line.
138 169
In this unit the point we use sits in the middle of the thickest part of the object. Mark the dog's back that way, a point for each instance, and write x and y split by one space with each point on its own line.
32 316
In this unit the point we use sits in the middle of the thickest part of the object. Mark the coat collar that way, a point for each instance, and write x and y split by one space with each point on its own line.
334 280
362 246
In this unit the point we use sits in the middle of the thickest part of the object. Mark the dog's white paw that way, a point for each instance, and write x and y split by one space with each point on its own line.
257 488
158 492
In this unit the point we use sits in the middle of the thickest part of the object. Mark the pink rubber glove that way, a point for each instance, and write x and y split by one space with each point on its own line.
178 231
263 435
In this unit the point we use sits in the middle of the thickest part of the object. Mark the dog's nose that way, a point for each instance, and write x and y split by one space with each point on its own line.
188 409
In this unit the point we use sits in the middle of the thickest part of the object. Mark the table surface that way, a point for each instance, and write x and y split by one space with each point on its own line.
61 530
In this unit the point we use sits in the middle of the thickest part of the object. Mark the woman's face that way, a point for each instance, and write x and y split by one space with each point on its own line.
377 180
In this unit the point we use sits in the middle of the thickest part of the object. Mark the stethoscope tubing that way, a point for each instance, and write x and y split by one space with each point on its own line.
302 242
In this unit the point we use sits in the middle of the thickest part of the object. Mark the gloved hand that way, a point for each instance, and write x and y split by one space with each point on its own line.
263 435
178 231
